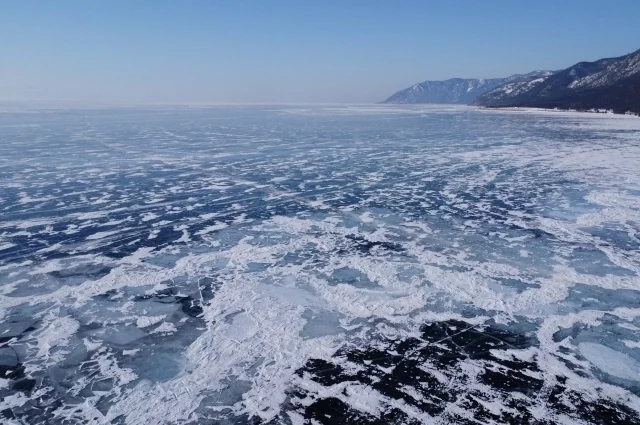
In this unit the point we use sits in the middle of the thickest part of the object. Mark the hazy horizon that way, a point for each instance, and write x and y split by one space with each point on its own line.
205 53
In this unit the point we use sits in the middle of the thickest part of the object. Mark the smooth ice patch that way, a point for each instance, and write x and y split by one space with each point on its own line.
610 361
242 327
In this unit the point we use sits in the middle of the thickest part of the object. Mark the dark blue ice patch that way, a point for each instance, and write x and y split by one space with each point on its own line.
349 276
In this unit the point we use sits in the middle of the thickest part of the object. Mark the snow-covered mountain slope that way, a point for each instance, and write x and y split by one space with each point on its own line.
512 88
620 69
531 75
584 85
455 90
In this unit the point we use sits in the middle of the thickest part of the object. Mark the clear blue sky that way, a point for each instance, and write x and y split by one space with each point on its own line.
236 51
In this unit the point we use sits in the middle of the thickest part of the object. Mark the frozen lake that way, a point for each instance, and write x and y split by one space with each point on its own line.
319 265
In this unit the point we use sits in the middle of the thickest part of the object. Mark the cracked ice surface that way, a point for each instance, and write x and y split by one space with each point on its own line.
290 265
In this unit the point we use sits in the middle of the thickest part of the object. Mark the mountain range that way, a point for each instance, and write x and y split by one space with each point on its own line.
611 83
455 90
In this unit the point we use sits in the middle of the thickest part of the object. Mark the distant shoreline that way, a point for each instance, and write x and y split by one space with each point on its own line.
534 109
